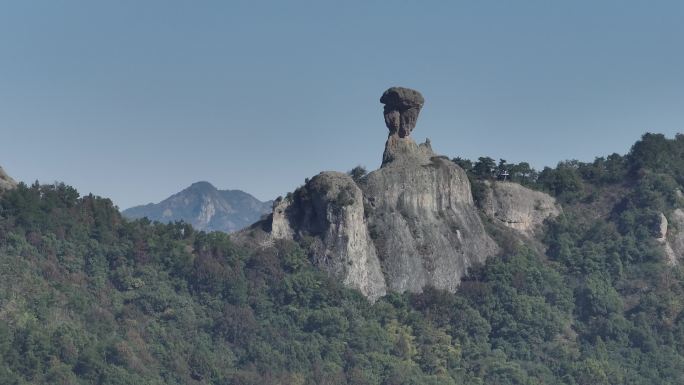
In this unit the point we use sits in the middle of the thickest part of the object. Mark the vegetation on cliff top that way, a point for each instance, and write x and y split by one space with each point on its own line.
88 297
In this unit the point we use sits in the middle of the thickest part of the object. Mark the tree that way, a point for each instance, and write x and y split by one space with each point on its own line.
357 173
484 167
465 164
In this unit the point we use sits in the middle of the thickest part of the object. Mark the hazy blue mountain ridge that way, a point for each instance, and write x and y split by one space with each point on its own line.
206 208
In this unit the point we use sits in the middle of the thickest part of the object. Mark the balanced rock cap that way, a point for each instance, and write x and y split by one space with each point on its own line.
401 97
402 106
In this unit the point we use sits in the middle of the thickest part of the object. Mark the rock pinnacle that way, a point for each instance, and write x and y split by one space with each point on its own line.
402 106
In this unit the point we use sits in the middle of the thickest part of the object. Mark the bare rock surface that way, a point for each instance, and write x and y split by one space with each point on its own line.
408 225
672 237
6 182
423 220
327 214
402 106
518 207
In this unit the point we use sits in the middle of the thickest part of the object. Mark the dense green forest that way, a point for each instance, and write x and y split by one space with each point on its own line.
87 297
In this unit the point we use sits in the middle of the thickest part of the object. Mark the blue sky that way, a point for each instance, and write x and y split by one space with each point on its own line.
135 100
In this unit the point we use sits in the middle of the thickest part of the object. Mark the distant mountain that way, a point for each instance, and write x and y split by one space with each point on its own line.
206 208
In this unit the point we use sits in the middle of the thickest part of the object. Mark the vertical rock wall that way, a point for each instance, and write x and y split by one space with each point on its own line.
408 225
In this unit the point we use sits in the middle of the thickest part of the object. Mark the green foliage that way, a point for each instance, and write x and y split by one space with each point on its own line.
564 181
485 167
357 173
465 164
344 198
89 298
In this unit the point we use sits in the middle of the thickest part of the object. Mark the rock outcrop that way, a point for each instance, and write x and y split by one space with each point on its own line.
410 224
672 241
423 220
402 106
6 182
327 214
518 207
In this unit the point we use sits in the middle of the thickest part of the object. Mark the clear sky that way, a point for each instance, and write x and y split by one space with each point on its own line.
135 100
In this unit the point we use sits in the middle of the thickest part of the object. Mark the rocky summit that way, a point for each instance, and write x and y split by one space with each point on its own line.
406 226
402 106
6 182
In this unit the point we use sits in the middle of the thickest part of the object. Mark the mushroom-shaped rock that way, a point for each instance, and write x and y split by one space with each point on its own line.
409 225
402 106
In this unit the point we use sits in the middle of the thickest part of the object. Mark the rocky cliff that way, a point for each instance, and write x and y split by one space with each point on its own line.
422 218
518 207
671 236
6 182
410 224
328 215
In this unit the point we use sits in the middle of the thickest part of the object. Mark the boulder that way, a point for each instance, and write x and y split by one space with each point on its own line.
402 106
518 207
423 221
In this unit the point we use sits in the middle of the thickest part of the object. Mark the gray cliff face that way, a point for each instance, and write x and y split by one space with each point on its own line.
518 207
423 220
328 211
408 225
672 237
6 182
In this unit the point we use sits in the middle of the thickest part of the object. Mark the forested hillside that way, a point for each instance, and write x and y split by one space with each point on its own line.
87 297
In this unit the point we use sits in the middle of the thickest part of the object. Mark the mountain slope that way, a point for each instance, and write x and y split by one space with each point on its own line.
87 297
206 208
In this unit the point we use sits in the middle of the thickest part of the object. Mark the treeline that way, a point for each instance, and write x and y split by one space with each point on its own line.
87 297
654 153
